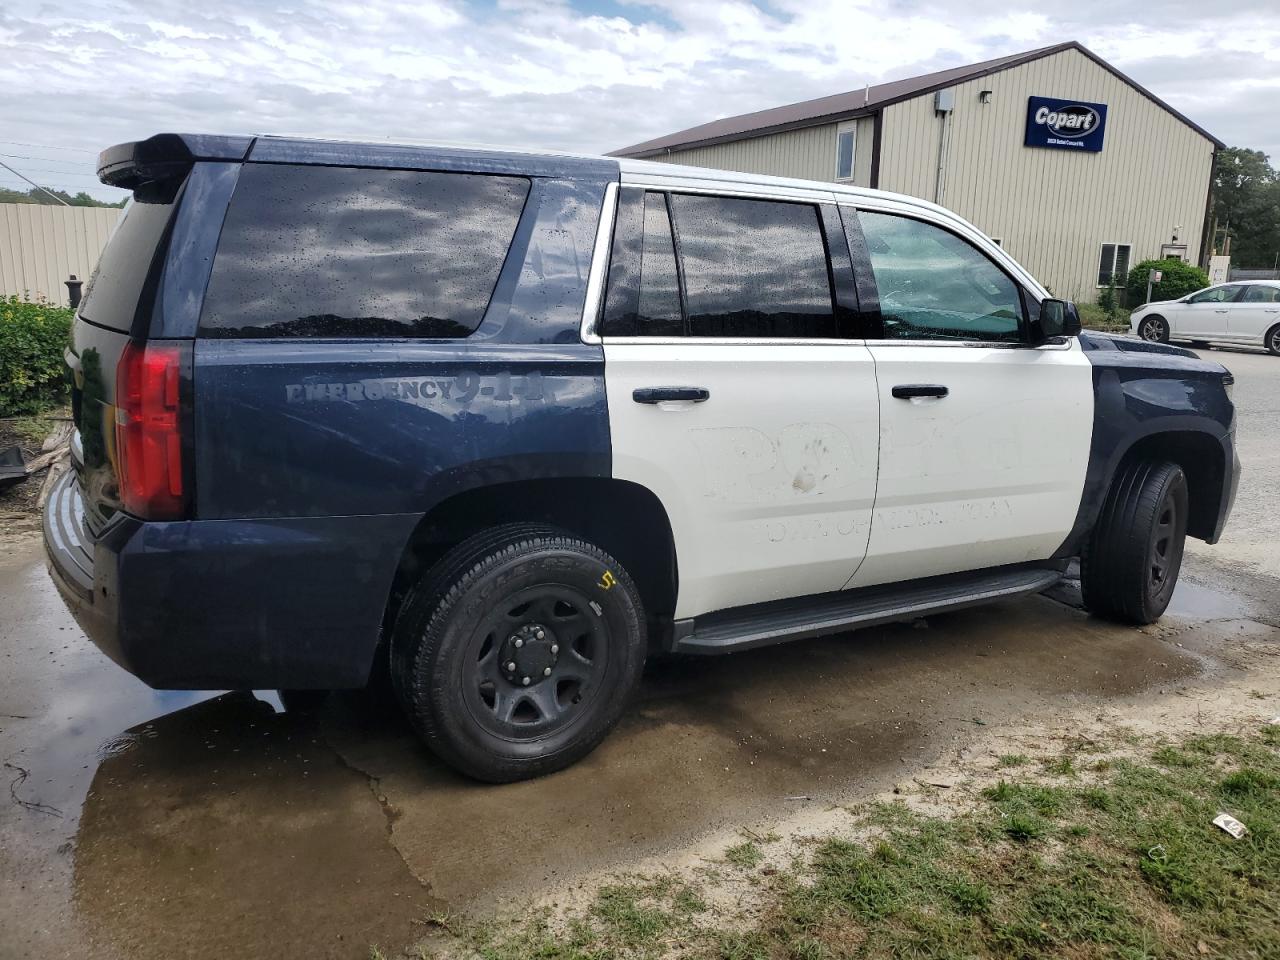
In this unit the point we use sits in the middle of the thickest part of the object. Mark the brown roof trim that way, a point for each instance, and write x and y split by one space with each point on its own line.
661 146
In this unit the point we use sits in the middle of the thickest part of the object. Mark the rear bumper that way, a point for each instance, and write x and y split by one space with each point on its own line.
228 604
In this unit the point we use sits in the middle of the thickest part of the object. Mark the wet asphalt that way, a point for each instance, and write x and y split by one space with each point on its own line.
141 823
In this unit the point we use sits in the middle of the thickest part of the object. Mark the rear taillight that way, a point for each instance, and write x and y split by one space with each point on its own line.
149 384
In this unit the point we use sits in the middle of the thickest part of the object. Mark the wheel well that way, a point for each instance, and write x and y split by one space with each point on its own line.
622 518
1202 460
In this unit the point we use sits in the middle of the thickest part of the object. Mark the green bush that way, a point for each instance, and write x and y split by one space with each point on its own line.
32 371
1178 280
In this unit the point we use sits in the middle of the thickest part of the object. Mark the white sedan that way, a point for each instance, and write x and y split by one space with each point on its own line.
1245 312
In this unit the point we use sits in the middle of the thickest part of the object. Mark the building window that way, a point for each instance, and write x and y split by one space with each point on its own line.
1113 262
845 141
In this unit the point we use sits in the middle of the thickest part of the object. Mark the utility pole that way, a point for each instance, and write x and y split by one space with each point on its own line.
33 183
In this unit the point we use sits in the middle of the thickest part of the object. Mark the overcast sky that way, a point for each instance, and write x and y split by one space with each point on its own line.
591 75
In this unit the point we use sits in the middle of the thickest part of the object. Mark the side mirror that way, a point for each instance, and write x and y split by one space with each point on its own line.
1058 318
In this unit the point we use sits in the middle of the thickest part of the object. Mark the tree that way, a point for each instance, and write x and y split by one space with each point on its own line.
33 195
1246 202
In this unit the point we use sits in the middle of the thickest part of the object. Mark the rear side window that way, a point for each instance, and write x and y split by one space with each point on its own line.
111 297
1261 294
753 268
659 311
707 266
350 252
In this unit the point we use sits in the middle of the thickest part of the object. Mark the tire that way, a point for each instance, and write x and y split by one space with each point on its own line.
559 609
1272 341
1130 563
1154 329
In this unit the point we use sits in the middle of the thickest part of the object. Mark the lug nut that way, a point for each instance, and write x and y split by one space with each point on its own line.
555 648
541 634
546 671
512 666
519 643
525 681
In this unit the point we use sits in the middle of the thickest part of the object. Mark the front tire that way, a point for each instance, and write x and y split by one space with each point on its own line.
1154 329
1273 341
517 652
1130 563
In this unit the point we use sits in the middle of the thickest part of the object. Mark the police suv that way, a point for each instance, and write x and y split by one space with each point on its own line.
504 424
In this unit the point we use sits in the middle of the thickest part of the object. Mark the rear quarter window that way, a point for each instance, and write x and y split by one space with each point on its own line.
349 252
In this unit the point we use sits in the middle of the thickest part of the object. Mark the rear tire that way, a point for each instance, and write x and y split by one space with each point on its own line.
518 651
1273 341
1154 329
1130 563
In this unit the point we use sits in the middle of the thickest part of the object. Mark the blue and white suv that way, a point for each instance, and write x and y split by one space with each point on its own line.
506 423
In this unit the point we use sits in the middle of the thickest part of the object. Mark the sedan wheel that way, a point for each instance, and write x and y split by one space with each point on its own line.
1154 330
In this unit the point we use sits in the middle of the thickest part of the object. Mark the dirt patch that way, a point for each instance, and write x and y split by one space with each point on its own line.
20 500
1058 744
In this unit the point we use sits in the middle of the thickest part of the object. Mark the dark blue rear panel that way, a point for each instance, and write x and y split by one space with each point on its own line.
290 428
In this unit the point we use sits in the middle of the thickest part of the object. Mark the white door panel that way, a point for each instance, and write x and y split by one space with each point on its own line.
988 475
768 484
1250 320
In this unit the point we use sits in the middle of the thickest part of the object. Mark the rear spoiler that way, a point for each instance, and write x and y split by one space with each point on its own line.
166 156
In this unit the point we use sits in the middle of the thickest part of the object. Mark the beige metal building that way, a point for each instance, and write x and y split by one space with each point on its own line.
1076 169
41 245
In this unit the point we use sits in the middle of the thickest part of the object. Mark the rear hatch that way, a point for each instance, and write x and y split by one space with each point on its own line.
116 310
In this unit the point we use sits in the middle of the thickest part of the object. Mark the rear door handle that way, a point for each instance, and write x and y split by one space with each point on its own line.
909 391
659 394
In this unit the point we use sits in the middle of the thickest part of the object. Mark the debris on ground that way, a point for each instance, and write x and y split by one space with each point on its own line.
1231 825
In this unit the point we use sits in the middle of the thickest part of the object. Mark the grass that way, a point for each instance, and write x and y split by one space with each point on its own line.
1127 866
1093 317
745 855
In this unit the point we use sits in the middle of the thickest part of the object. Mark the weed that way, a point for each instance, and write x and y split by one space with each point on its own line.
744 855
1007 760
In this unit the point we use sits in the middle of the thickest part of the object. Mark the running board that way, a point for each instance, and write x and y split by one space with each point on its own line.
763 624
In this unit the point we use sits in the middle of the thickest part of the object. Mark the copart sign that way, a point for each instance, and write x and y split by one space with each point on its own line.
1065 124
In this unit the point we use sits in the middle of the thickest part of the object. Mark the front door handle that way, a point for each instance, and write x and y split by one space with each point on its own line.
1222 310
660 394
909 391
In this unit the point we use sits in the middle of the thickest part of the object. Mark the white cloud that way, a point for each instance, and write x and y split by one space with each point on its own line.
89 73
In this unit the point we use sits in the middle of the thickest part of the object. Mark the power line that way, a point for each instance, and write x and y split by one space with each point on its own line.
47 146
34 184
24 156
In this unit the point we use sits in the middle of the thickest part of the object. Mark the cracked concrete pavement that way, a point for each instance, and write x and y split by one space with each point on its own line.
201 825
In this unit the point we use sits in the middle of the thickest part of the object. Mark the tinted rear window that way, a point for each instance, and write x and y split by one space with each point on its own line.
111 296
753 268
347 252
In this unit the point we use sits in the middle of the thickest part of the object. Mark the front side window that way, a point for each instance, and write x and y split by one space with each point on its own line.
1113 264
1224 294
310 251
933 285
1262 294
753 268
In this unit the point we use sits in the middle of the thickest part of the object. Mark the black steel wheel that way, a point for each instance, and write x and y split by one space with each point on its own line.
538 656
1154 329
1130 564
516 654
